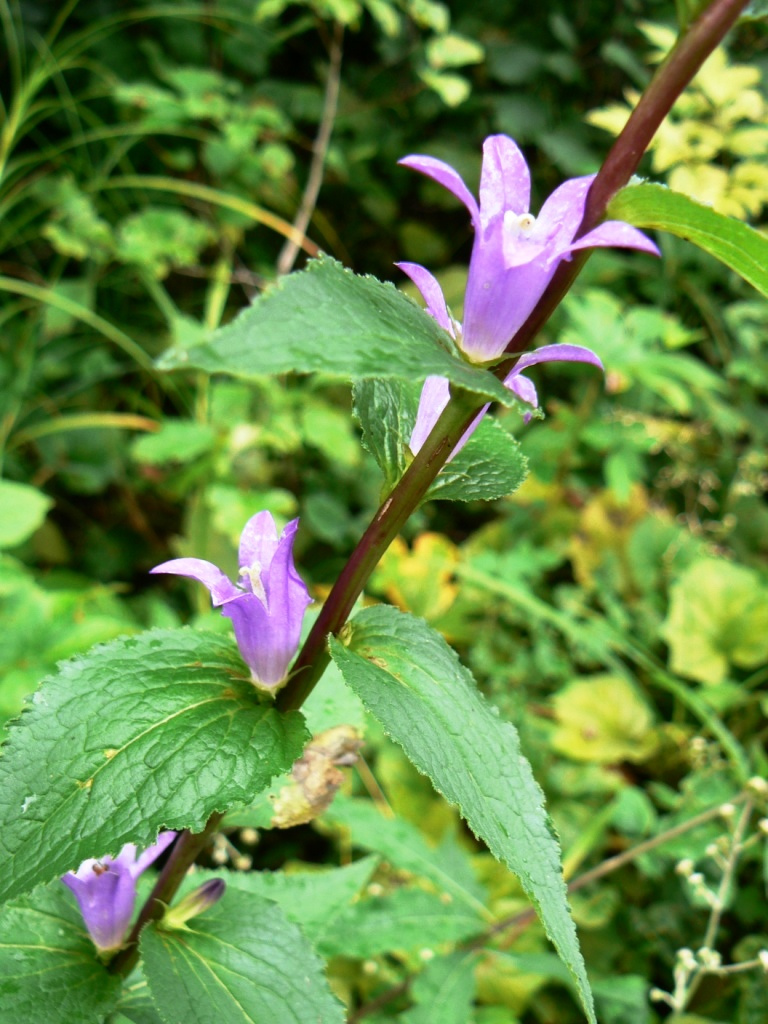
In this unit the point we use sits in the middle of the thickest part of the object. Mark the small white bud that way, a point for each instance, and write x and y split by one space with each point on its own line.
762 956
758 785
727 811
684 867
426 955
696 878
249 836
370 967
763 826
686 959
709 957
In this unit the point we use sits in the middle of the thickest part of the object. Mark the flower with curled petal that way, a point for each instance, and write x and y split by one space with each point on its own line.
514 257
106 891
267 605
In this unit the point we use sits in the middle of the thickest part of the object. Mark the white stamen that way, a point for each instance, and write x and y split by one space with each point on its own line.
517 224
253 575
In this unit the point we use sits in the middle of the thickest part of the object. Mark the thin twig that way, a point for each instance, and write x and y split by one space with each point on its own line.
290 250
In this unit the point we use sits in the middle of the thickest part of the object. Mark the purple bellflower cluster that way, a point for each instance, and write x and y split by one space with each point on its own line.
266 606
106 891
514 257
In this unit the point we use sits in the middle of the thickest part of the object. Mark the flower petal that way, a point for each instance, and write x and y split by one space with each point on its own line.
563 212
446 176
266 650
523 387
287 595
106 896
258 541
616 233
431 292
555 354
434 398
151 854
220 586
505 181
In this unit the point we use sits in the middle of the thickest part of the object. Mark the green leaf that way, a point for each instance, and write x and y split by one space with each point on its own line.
718 616
444 991
603 719
401 843
735 244
325 319
405 919
49 970
22 511
491 464
177 441
412 681
311 899
147 732
241 962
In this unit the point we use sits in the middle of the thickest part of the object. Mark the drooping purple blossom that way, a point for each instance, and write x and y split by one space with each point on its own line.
514 257
106 891
267 605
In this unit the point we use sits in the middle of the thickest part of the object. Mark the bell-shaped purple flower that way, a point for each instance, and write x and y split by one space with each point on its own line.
266 606
106 891
514 255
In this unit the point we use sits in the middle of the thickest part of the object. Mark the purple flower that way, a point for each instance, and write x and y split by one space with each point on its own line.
514 257
268 605
515 254
106 891
435 393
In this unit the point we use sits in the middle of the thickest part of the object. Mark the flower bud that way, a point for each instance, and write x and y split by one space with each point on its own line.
194 903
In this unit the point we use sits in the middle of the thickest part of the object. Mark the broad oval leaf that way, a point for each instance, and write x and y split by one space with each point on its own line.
413 682
49 970
735 244
147 732
241 962
325 319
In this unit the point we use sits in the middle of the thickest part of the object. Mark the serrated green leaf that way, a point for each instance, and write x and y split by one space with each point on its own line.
412 681
241 962
147 732
22 510
311 899
738 246
407 919
491 464
49 970
444 991
325 319
403 845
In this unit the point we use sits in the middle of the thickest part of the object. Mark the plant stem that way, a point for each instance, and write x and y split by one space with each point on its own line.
383 529
183 855
290 249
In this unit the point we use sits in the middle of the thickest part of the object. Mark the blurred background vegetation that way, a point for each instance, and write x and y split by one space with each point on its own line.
152 159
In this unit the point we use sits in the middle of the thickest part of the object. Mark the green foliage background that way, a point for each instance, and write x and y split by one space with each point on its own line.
614 608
